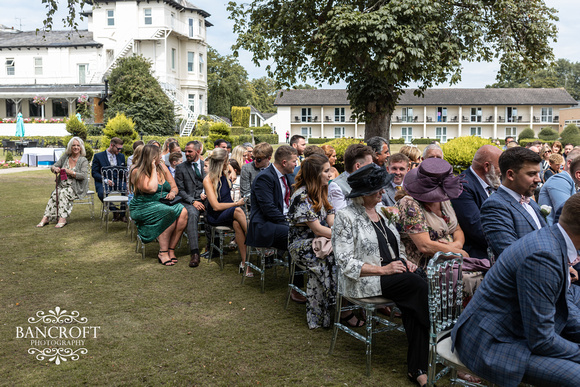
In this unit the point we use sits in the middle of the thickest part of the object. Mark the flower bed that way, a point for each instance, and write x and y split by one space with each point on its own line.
12 164
11 120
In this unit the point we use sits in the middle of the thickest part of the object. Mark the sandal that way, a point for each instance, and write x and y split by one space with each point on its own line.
413 377
249 273
60 225
174 260
42 224
169 262
358 323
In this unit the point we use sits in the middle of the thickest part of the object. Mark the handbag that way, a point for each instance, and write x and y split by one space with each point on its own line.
322 247
170 202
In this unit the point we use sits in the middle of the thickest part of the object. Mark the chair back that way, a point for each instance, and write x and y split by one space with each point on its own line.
33 144
445 292
118 175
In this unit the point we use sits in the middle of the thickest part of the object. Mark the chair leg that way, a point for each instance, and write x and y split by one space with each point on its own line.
221 249
336 322
262 257
290 283
248 252
369 341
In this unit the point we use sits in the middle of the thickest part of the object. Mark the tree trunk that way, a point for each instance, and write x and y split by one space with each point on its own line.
378 124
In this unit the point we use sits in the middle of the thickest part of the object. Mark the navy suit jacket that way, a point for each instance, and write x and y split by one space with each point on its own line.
504 220
101 160
520 309
267 207
467 208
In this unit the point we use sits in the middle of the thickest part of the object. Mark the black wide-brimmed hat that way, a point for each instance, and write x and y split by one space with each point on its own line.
368 180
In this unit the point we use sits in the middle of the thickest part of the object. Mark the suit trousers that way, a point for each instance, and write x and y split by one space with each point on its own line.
192 226
410 293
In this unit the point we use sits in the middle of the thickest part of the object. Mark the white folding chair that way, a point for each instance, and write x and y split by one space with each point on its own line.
116 194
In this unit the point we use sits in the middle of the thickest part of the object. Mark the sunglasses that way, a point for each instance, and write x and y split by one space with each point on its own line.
258 160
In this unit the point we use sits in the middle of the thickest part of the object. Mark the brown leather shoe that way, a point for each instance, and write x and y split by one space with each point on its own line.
297 297
194 260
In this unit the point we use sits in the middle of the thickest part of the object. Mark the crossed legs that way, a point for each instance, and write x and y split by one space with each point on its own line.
170 237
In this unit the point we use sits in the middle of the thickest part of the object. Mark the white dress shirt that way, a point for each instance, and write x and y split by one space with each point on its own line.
283 186
528 208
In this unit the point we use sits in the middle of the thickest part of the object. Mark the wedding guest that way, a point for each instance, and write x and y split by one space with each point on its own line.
330 152
509 214
165 150
481 179
545 153
356 156
221 209
298 142
556 164
567 149
522 325
76 166
150 181
413 153
173 148
311 216
380 146
373 262
557 147
432 151
174 160
109 157
560 186
398 166
239 154
262 154
248 155
154 142
130 158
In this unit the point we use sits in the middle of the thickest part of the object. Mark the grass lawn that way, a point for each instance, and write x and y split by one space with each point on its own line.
158 325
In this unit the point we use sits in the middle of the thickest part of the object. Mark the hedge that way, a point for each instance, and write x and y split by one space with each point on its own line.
315 141
397 141
261 130
526 141
459 151
241 116
427 140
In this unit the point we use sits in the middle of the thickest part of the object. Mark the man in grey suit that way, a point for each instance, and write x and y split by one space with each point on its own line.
189 179
262 154
509 214
355 157
398 167
522 324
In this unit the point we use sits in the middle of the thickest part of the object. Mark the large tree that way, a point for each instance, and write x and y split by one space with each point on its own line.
138 95
562 73
227 83
380 47
263 93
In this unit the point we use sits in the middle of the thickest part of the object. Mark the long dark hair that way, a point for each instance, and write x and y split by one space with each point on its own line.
309 176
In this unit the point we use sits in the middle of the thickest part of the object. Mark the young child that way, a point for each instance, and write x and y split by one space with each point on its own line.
174 160
556 164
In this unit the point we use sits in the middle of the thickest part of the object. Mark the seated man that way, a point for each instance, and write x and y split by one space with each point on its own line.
509 214
523 324
174 160
398 166
481 180
111 157
262 154
559 187
356 156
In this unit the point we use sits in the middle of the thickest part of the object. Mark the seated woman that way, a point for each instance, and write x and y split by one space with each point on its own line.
221 209
428 223
150 181
373 262
310 216
76 166
330 152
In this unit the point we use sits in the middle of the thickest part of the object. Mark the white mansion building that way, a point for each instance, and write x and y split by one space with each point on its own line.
170 33
441 114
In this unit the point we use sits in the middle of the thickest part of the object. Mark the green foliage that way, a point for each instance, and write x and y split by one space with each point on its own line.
121 127
459 151
263 93
418 141
526 133
78 128
9 156
241 116
269 138
202 127
315 141
570 135
227 83
266 129
548 134
181 140
94 129
239 130
340 145
526 141
397 141
217 131
379 48
138 95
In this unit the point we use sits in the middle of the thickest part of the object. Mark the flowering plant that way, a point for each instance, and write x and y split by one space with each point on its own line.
11 164
83 99
39 100
545 210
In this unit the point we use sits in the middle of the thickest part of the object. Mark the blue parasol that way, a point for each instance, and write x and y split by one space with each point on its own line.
79 117
19 126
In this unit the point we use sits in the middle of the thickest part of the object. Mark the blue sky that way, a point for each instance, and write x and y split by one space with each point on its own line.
31 13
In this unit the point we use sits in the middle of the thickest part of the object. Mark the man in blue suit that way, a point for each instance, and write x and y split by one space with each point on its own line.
480 181
109 157
509 214
523 322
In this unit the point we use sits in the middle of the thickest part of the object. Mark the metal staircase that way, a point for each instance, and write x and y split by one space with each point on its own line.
176 97
218 119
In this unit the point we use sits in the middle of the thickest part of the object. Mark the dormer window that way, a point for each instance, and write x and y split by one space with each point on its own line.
10 66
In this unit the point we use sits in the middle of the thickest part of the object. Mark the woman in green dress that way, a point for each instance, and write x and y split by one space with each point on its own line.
150 181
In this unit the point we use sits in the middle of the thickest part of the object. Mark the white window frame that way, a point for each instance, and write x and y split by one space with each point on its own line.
173 52
190 27
407 134
407 114
511 131
201 62
306 115
443 116
86 67
10 66
441 134
339 114
191 102
190 61
37 65
200 26
476 114
547 114
475 131
341 132
200 103
148 16
110 17
306 131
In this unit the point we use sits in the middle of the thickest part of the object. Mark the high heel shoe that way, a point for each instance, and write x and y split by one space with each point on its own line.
413 377
248 274
174 260
169 262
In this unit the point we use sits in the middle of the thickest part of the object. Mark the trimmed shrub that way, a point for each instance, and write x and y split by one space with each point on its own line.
78 129
526 133
570 134
217 131
397 141
94 129
241 116
269 138
202 127
9 156
122 127
261 130
459 151
239 130
548 134
340 145
526 141
418 141
316 141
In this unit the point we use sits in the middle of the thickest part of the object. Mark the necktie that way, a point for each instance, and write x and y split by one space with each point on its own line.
287 193
196 169
525 199
489 190
398 188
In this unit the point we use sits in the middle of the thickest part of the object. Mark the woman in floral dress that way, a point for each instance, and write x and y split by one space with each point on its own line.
310 216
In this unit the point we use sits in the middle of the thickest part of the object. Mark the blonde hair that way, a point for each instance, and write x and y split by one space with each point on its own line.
412 152
238 154
70 144
556 158
142 165
137 155
217 160
167 142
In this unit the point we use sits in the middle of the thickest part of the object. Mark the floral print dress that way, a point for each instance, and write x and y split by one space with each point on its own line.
321 286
